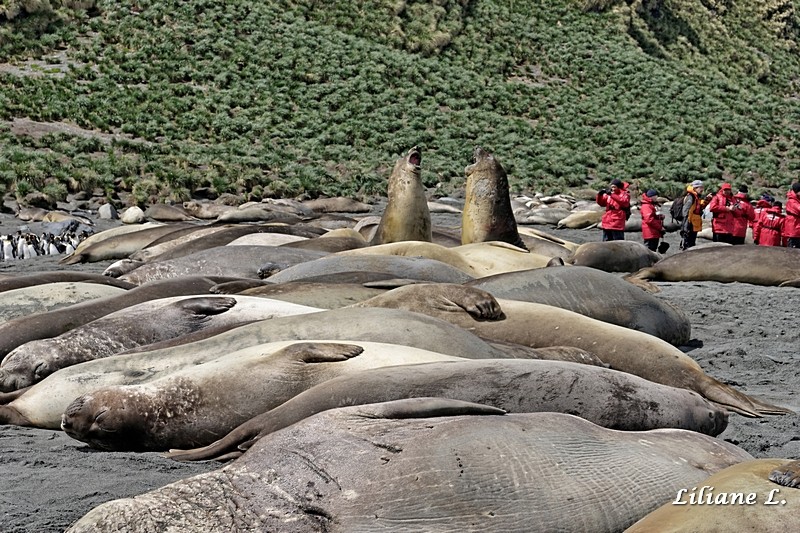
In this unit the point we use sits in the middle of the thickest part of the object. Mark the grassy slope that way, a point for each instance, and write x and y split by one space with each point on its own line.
321 97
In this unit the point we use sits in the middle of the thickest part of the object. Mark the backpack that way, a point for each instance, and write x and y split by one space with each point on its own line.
676 211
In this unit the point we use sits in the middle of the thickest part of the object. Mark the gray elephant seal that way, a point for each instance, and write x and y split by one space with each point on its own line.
614 256
198 404
406 216
372 467
138 325
59 276
487 214
608 398
50 296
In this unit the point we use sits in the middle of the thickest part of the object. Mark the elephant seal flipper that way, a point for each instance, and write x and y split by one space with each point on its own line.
205 306
425 407
320 352
449 297
787 475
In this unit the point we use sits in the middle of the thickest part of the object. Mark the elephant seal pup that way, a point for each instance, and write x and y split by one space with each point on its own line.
374 466
234 261
772 508
49 324
199 404
608 398
594 293
418 268
49 296
135 326
614 256
406 216
59 276
487 214
758 265
623 349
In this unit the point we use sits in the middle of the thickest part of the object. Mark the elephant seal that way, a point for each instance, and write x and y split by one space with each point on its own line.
322 295
49 296
608 398
162 245
167 213
406 216
487 214
118 244
197 405
580 219
614 256
418 268
138 325
337 205
774 507
59 276
758 265
593 293
52 323
623 349
234 261
374 466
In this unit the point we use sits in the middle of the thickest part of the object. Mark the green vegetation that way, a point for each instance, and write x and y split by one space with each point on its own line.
283 98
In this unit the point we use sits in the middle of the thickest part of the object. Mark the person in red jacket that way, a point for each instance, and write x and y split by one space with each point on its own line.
763 203
722 206
771 224
652 222
617 201
743 215
791 228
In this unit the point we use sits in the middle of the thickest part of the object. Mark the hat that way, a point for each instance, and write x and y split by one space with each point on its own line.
796 187
696 184
651 193
725 186
616 182
744 189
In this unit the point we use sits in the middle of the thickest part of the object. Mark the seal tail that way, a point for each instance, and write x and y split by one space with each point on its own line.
228 447
736 401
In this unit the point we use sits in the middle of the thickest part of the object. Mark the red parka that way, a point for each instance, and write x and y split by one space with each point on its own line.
791 227
771 227
614 217
761 207
652 220
723 217
744 214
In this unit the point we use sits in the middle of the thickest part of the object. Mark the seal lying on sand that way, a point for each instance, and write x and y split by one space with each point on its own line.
614 256
406 216
138 325
374 466
759 265
774 507
623 349
50 296
487 214
608 398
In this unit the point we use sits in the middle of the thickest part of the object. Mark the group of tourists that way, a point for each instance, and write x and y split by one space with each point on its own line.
732 214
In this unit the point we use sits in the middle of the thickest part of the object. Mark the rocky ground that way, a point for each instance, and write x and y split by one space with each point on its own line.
743 335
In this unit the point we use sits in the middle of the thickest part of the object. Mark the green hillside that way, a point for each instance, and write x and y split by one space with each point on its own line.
312 97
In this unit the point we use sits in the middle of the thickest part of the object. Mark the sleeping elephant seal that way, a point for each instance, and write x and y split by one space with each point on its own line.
608 398
119 246
50 296
758 265
774 507
430 464
623 349
406 216
196 405
59 276
487 214
138 325
614 256
594 293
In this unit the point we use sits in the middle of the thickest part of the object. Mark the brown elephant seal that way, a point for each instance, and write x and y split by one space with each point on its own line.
610 399
50 296
322 295
758 265
374 466
233 261
337 205
406 216
614 256
742 497
118 245
132 327
199 404
623 349
487 214
167 213
593 293
52 323
580 219
59 276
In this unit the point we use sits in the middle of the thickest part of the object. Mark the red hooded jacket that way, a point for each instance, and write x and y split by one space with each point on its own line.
652 220
791 228
771 227
744 214
614 217
723 217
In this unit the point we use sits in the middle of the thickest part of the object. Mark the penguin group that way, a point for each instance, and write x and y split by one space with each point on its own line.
29 245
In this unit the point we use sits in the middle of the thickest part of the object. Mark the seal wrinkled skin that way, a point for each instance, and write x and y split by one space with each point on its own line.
406 216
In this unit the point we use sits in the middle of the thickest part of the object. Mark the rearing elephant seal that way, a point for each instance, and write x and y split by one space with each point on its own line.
487 214
406 217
